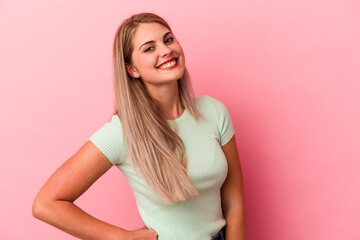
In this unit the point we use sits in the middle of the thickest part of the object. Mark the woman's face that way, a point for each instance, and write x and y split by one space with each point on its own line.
157 56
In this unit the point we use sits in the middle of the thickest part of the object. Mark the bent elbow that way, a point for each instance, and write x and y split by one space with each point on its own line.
36 209
39 208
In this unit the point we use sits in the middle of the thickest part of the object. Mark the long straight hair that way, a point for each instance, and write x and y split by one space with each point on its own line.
152 144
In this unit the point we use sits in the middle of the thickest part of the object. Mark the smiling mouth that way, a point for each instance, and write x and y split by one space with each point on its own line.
169 65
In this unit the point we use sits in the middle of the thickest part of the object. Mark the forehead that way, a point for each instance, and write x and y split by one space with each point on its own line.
148 32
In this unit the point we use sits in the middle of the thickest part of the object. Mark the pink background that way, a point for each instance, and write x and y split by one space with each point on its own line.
288 71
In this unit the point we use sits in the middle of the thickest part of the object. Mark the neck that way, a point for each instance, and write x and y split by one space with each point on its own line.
168 100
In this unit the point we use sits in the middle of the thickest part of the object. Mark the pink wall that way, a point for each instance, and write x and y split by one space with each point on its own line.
288 71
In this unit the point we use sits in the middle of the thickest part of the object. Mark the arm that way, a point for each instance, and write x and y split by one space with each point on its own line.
232 194
54 203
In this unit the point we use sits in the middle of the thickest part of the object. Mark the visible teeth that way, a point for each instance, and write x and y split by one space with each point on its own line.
169 64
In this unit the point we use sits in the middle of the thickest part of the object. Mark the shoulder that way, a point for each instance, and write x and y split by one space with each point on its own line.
216 112
114 121
211 104
207 99
110 139
111 127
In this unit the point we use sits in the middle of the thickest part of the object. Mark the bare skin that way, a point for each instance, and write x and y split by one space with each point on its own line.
161 84
232 194
54 203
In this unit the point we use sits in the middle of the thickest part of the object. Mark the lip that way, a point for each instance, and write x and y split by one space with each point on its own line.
171 59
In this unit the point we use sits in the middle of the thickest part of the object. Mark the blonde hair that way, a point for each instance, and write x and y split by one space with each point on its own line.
152 145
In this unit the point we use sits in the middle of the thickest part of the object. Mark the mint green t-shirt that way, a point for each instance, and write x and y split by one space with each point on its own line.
197 218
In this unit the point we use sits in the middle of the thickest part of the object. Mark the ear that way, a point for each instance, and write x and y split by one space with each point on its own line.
132 71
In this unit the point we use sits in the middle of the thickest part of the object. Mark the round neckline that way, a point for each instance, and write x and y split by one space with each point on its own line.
181 118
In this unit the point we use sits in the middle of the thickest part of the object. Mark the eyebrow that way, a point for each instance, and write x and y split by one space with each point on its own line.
152 41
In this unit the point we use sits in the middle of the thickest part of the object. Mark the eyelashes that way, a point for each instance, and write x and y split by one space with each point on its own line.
166 41
148 49
171 38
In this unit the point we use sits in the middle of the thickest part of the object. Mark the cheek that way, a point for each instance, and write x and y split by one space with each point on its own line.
180 50
144 63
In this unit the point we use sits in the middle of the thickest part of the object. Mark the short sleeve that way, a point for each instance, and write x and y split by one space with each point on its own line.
110 140
225 125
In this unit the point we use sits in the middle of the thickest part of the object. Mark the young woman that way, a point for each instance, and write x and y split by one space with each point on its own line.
177 151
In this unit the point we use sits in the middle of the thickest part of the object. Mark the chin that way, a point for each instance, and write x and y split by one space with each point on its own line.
179 73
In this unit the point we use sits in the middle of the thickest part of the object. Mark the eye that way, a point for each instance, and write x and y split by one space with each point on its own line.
170 39
148 49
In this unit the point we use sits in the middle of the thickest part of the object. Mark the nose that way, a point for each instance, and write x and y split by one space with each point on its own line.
165 50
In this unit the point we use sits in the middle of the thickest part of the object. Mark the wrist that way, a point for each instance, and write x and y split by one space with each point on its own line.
118 234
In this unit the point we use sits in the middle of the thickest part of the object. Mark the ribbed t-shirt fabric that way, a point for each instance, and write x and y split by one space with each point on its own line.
197 218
